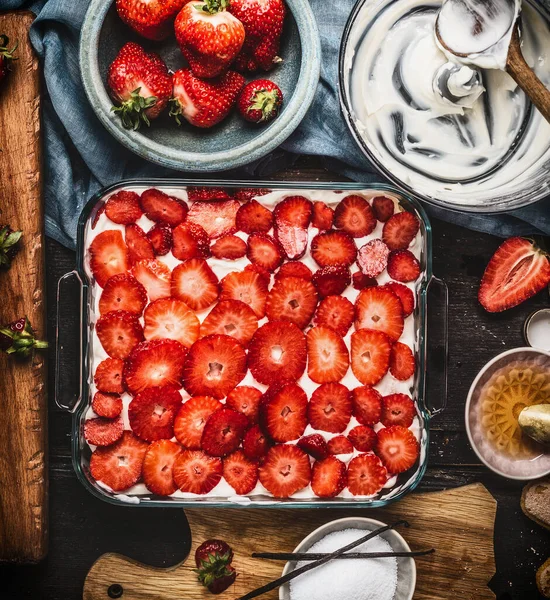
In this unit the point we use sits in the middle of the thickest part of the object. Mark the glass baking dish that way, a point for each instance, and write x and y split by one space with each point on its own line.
78 402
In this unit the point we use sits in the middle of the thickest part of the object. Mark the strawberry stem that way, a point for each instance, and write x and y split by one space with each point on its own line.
264 101
8 245
20 342
4 48
132 112
175 110
213 6
214 567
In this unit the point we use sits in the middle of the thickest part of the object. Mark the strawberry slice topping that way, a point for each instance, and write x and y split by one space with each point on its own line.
190 241
249 287
354 215
283 412
370 355
331 281
195 283
366 475
123 207
103 432
108 376
233 318
107 405
292 299
372 258
323 216
229 247
119 332
397 409
246 194
400 230
335 312
160 236
161 208
333 248
397 448
264 251
240 472
404 294
171 319
123 292
363 438
255 443
216 218
252 217
330 408
402 362
403 266
361 281
157 467
383 208
294 269
205 193
379 309
314 445
223 432
245 399
327 354
139 246
367 405
292 217
152 413
191 419
328 477
285 470
154 276
108 256
196 472
340 445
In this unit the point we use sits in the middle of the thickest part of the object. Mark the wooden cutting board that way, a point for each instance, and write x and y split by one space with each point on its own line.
458 523
23 433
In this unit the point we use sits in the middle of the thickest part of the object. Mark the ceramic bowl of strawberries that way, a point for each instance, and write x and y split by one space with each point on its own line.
206 85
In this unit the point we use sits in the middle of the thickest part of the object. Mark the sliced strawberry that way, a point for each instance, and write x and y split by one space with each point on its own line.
190 241
293 240
294 268
283 413
139 246
215 365
195 283
223 432
103 432
229 247
161 208
263 250
107 405
330 408
397 448
331 281
361 281
233 318
205 193
400 230
314 445
249 287
191 419
327 355
372 258
160 236
340 445
252 217
97 216
108 376
292 217
366 475
379 309
171 319
403 266
216 218
323 216
402 362
518 270
363 438
123 292
240 472
404 294
263 273
152 413
108 256
367 405
123 207
383 208
154 276
328 477
245 399
246 194
292 299
335 312
277 350
397 409
196 472
119 332
354 215
333 248
370 355
285 470
255 443
155 364
157 467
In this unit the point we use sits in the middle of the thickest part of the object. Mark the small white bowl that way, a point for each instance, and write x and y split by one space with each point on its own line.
406 567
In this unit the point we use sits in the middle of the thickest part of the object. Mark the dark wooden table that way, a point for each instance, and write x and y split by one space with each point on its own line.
83 528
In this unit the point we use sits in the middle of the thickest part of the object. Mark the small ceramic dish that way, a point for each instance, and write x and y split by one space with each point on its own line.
536 330
406 567
232 143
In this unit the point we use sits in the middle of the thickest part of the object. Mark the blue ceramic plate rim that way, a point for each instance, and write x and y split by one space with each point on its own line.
267 140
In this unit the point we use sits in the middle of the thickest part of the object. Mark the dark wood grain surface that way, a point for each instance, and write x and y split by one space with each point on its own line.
82 527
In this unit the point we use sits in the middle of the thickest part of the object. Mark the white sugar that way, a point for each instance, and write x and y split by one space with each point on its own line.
352 579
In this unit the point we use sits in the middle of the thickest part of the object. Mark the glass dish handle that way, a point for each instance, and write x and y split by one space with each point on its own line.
68 343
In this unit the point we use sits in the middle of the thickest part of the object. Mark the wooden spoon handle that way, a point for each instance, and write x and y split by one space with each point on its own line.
524 76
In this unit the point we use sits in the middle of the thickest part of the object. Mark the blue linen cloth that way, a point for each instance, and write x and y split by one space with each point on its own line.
81 156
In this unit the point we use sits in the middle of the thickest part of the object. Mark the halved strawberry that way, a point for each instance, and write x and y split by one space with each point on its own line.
383 208
397 409
323 216
255 443
403 266
108 376
331 281
333 248
397 448
246 194
223 432
293 240
123 207
354 216
402 362
328 477
195 283
263 250
285 470
283 413
204 193
327 355
292 299
245 399
190 241
330 408
252 217
229 247
370 355
240 472
340 445
155 364
160 236
157 467
107 405
119 332
294 268
161 208
233 318
366 475
363 438
335 312
103 432
191 419
379 309
277 350
518 270
139 246
314 445
108 256
214 366
292 217
367 405
372 258
247 286
171 319
154 276
404 294
216 218
123 292
361 281
196 472
152 413
400 230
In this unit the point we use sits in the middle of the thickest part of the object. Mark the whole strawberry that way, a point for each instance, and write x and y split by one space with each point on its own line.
204 103
260 101
9 241
153 19
213 559
209 36
140 83
18 338
6 55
